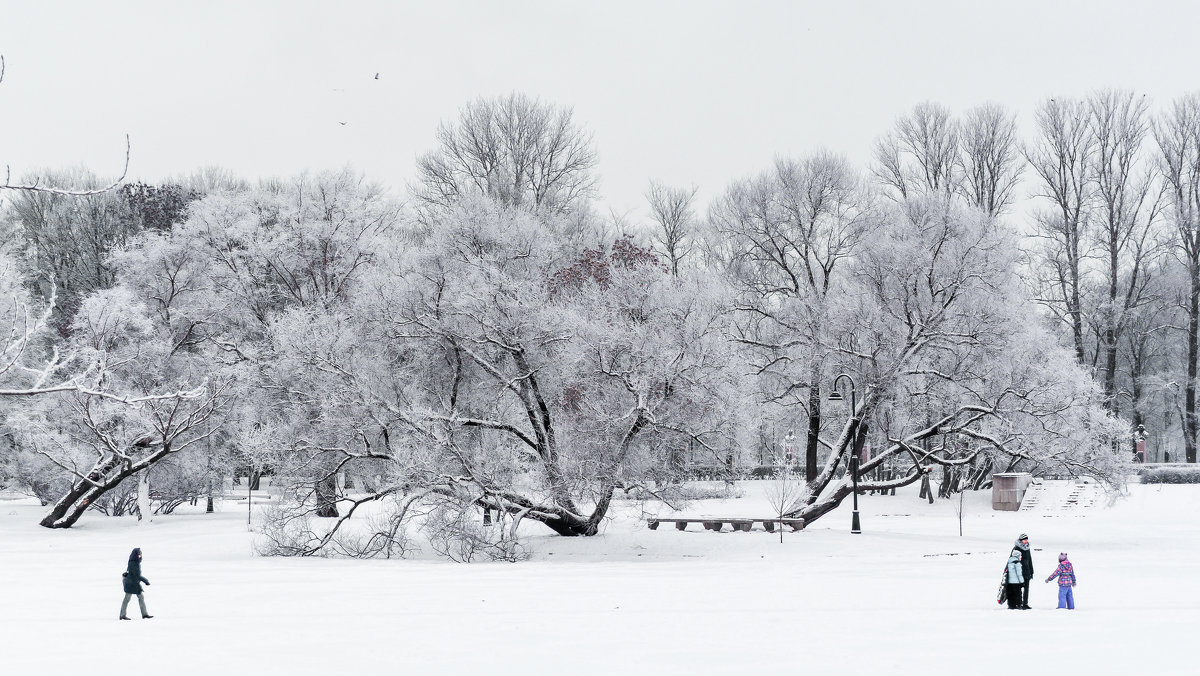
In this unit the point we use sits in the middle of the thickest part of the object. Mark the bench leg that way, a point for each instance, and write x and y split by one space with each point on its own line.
714 525
653 525
680 525
769 525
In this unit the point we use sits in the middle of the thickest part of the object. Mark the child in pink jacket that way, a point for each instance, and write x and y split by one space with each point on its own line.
1066 581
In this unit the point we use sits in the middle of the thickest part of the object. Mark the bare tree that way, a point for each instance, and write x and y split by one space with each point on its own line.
1062 158
786 237
1178 135
1127 207
921 154
990 161
674 218
514 149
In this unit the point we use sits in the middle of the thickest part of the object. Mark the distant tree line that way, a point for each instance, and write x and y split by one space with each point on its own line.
488 341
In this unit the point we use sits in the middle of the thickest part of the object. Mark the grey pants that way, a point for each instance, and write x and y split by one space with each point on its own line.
141 604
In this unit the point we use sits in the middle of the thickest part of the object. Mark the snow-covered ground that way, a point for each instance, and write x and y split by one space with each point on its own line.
908 595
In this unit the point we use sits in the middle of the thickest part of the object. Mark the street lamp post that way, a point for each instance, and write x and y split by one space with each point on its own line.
836 395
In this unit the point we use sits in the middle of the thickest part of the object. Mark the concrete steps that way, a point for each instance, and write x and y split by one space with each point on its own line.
1060 497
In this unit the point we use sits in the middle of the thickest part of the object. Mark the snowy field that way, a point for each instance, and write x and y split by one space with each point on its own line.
907 596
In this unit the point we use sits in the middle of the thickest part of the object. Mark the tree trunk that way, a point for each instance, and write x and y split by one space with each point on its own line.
1076 308
1110 328
1110 370
143 497
1193 340
70 507
327 496
1136 386
208 471
812 447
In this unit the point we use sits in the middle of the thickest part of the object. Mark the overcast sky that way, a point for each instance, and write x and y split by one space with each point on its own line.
684 92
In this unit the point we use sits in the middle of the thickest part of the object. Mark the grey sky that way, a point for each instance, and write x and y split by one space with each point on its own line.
686 92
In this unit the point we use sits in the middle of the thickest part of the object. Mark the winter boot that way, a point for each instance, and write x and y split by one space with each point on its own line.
124 618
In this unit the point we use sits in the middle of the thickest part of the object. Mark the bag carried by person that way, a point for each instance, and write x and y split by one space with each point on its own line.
1002 595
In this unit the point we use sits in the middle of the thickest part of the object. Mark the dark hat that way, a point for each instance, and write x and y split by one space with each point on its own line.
1023 537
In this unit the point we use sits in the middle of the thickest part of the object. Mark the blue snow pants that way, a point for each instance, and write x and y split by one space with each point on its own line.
1066 597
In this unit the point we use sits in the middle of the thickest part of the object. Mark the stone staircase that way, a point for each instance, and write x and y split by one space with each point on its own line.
1060 498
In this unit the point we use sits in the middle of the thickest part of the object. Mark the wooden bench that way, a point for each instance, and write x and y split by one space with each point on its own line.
716 524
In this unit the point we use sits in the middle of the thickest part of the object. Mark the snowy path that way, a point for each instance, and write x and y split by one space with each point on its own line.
907 596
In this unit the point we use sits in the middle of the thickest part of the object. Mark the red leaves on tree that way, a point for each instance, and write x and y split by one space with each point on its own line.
596 265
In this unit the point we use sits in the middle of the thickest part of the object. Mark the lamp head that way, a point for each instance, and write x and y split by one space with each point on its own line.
836 396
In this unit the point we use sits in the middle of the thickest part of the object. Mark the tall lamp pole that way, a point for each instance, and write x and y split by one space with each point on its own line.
836 395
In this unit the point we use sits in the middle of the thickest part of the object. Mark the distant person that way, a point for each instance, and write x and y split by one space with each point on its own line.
1022 547
1014 580
132 580
1066 582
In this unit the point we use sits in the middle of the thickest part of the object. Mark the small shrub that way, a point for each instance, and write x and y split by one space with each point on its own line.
119 501
709 491
1170 475
771 471
456 533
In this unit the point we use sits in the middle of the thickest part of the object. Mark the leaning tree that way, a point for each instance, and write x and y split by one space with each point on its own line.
938 315
497 366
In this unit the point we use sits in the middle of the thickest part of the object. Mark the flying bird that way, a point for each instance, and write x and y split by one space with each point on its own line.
376 76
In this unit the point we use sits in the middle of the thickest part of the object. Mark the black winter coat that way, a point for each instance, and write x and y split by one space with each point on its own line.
132 579
1026 560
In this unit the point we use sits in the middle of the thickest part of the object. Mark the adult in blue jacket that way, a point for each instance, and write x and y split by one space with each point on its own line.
132 580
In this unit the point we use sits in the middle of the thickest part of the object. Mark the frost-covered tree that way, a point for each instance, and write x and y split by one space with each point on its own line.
939 317
990 162
495 365
515 150
1178 136
1061 157
575 358
1127 205
786 239
100 439
1101 239
921 154
289 247
68 238
976 156
24 369
674 222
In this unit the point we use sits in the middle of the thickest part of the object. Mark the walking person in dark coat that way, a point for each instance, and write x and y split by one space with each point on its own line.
1022 547
132 580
